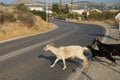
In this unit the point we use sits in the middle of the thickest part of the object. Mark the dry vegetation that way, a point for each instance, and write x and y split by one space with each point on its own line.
18 23
14 29
100 22
111 22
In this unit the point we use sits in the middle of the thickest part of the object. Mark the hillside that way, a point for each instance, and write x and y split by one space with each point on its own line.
15 22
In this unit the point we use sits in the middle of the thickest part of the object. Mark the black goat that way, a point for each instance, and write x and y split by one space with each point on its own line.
99 53
113 49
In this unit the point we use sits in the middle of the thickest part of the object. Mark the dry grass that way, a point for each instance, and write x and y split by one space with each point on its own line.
10 30
41 25
112 22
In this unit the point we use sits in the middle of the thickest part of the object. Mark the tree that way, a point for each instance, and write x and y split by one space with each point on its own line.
42 14
1 3
66 9
22 7
55 8
94 15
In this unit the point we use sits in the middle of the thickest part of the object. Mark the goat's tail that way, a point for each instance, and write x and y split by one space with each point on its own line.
85 48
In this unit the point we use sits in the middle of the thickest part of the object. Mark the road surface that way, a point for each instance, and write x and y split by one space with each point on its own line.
25 59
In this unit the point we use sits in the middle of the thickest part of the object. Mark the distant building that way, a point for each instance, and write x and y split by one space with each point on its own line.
32 4
78 11
36 8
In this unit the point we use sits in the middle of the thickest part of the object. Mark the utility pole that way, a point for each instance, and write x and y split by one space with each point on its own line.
47 16
101 5
71 5
60 4
72 9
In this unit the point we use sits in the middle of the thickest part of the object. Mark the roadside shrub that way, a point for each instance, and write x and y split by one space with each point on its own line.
94 15
84 16
26 19
73 15
42 14
1 18
24 15
108 15
22 7
20 14
9 17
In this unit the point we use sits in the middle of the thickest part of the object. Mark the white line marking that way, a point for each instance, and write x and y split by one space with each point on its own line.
21 51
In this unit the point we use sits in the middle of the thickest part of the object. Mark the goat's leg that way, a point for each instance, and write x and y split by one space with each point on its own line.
54 63
93 58
111 59
119 53
85 65
119 35
85 61
64 64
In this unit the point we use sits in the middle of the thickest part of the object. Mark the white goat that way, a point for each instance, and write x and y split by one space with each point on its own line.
65 52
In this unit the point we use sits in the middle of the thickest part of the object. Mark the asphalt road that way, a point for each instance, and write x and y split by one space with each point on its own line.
25 59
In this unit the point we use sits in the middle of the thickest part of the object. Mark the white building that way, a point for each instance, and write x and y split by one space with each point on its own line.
39 9
36 8
78 11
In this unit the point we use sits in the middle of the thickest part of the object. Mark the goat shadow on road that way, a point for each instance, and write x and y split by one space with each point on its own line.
107 65
52 59
102 35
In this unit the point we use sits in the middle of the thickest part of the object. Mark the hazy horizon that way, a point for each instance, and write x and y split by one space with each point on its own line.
104 1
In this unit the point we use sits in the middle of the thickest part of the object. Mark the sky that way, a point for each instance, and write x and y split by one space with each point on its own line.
9 1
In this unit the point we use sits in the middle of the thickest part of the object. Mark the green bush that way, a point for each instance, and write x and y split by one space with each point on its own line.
22 7
42 14
94 15
84 16
106 15
56 8
73 15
